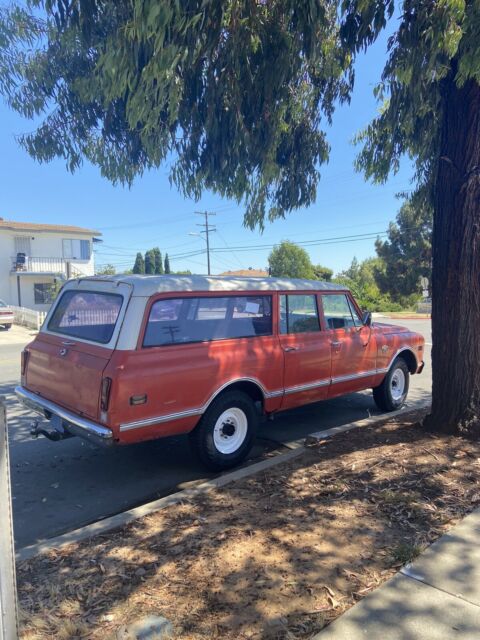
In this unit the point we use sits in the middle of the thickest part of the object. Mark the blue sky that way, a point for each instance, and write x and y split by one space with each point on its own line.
152 213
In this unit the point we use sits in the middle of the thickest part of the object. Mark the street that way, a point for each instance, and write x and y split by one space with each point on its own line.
59 486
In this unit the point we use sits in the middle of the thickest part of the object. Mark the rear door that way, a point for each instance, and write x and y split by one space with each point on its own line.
67 359
307 350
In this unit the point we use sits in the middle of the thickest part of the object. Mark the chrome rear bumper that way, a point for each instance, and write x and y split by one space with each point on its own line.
72 423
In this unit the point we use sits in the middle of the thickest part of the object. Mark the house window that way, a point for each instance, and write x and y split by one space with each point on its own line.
67 248
76 249
85 249
43 293
22 245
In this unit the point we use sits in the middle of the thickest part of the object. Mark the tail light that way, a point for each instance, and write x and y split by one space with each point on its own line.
24 361
105 396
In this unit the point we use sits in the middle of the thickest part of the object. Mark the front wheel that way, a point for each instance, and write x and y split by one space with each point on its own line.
226 431
392 393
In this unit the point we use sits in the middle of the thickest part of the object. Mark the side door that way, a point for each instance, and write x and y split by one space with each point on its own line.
307 350
353 345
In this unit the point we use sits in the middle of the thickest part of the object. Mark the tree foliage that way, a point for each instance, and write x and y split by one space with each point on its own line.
150 262
106 270
288 260
360 278
234 91
139 266
322 273
430 36
407 254
167 264
229 88
158 261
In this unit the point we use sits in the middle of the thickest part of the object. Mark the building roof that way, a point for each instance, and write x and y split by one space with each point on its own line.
256 273
12 225
149 285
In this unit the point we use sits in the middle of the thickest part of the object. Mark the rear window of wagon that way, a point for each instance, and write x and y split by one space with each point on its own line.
87 315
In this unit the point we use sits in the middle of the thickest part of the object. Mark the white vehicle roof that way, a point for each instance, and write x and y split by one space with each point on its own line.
145 286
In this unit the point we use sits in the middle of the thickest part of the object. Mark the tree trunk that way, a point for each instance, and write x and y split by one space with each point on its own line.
456 265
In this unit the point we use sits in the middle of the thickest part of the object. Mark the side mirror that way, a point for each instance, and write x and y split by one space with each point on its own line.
367 319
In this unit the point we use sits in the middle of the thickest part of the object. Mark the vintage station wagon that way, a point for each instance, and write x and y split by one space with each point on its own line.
124 359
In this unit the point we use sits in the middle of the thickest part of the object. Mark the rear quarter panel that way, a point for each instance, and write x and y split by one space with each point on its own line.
183 378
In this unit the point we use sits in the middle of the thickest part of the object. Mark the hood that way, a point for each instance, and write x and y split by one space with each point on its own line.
390 328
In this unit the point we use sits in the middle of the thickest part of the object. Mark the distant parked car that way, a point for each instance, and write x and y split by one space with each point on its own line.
6 315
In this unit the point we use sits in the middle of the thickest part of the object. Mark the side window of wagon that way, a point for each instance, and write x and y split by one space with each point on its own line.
339 312
298 314
202 319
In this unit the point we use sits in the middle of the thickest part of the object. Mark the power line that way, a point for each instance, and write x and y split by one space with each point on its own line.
263 247
308 243
233 252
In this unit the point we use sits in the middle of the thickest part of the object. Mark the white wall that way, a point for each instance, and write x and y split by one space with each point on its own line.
5 249
27 291
42 245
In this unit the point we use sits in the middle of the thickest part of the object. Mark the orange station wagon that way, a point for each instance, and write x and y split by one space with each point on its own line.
125 359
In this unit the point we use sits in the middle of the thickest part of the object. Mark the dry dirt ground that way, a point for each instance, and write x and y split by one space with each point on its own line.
275 556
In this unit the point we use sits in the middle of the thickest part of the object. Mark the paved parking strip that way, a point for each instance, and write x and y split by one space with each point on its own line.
60 486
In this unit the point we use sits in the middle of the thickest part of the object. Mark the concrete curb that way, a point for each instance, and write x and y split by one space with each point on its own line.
328 433
121 519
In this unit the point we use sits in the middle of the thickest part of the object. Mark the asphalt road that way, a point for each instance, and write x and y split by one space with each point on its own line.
60 486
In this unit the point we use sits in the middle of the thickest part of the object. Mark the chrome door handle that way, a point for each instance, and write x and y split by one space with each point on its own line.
290 348
67 343
336 344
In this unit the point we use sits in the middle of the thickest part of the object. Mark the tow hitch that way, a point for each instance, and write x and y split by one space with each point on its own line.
55 434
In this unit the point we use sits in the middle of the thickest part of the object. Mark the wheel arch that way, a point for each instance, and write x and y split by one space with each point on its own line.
253 388
409 357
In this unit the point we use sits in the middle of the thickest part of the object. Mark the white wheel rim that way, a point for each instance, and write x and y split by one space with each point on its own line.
397 384
230 430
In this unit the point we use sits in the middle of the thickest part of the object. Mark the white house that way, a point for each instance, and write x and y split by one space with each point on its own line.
35 256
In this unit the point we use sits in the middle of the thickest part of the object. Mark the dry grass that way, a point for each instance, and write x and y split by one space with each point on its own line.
275 556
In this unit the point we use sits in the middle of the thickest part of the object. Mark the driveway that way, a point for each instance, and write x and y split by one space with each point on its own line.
59 486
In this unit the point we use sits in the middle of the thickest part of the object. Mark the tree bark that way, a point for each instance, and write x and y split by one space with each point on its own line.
456 265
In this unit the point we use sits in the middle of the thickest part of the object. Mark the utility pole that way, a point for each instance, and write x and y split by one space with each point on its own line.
206 230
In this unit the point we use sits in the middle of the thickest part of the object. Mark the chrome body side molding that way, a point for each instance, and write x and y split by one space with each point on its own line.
306 387
198 411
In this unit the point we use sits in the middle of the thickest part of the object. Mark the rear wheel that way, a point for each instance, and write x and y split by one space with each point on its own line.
392 393
226 431
7 327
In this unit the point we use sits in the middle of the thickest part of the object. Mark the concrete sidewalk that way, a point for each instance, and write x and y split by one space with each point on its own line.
437 597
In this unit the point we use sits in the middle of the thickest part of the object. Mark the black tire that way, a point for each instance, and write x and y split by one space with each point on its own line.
384 394
203 438
7 327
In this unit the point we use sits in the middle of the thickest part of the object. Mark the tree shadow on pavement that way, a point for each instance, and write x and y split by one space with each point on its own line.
276 555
